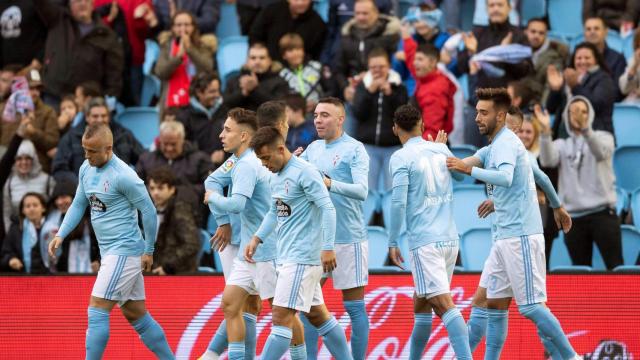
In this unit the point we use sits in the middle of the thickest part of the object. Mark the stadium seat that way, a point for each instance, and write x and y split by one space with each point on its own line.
217 262
466 199
463 80
475 245
229 24
378 246
626 124
142 122
559 254
532 9
622 201
150 89
206 269
572 268
205 246
151 53
626 166
614 41
461 152
558 19
627 268
322 8
370 206
563 38
404 6
635 207
232 52
630 244
597 262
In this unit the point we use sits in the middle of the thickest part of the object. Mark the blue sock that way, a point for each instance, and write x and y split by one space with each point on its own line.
277 343
497 327
97 332
219 341
298 352
153 337
477 326
420 335
549 347
359 328
236 350
458 333
550 327
333 336
249 336
310 338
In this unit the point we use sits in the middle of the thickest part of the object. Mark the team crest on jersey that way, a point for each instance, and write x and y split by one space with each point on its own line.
336 160
282 209
228 165
106 185
96 204
286 187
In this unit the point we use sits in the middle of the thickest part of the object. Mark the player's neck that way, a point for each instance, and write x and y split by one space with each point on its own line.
406 136
335 137
241 150
495 132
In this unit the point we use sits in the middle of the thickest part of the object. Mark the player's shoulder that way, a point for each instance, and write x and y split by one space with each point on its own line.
83 169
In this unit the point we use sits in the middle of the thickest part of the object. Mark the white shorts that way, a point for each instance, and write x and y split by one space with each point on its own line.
516 268
119 279
432 268
227 258
298 286
256 279
353 266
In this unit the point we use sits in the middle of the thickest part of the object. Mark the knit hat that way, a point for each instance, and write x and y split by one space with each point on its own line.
431 18
65 187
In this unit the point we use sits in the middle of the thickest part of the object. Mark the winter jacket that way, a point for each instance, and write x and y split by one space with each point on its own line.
355 45
5 169
306 80
36 181
302 135
550 53
616 63
270 87
586 182
12 247
275 20
374 112
46 133
72 58
203 128
614 12
206 12
630 86
23 33
434 96
178 240
70 154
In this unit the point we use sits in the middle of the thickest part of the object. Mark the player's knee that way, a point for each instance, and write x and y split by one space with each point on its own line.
318 315
230 308
253 305
528 311
282 316
441 303
480 298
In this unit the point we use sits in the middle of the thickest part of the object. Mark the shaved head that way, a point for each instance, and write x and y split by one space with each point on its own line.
97 142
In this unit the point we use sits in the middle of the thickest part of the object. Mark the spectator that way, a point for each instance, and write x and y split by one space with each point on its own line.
289 16
70 154
23 34
377 96
68 112
206 13
40 126
6 162
25 248
189 165
367 30
257 82
83 93
96 56
616 14
630 81
586 184
304 76
178 242
595 32
182 55
302 131
434 91
6 79
248 10
545 52
587 76
204 117
80 253
524 94
27 176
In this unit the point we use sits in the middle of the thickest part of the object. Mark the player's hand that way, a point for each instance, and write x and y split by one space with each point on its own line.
15 264
298 151
207 194
327 182
221 238
147 262
455 164
396 257
54 245
441 137
563 219
250 249
470 42
485 209
328 258
158 271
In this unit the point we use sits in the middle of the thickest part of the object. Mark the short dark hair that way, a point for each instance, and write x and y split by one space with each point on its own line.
429 50
163 175
90 88
12 68
271 113
596 54
201 81
258 45
333 101
407 117
296 102
515 111
378 52
95 102
499 96
290 41
527 90
266 136
39 196
540 20
244 117
595 17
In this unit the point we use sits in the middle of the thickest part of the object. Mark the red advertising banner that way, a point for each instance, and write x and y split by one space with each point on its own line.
45 317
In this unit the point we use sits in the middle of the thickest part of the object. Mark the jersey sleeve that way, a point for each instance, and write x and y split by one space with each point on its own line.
359 189
75 213
399 171
132 187
244 179
482 154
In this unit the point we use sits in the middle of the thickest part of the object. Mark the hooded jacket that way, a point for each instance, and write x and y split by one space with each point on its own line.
586 181
203 126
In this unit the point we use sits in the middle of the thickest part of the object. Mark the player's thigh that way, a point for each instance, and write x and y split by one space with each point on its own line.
421 305
353 294
525 266
233 299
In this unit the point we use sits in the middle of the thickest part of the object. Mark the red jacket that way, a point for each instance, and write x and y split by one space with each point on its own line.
434 95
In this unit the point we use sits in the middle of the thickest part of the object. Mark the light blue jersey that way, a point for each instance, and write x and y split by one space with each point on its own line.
301 213
114 193
516 206
420 167
346 163
249 180
217 181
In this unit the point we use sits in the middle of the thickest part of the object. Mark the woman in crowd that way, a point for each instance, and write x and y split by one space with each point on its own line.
630 81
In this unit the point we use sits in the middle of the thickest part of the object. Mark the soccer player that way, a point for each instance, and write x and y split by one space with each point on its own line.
114 194
345 165
422 196
516 264
306 220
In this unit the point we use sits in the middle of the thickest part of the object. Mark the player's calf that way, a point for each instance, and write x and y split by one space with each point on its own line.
549 326
331 332
281 334
454 322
